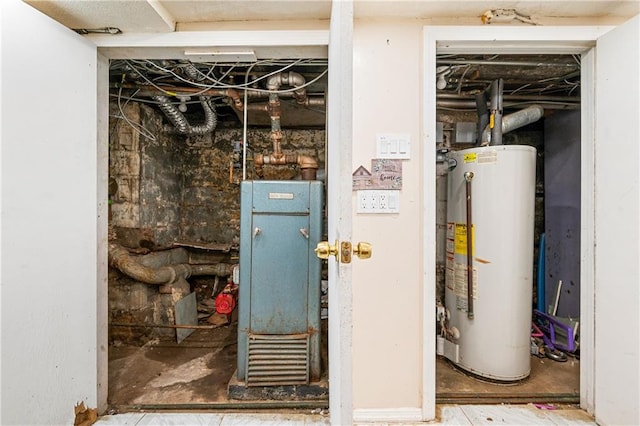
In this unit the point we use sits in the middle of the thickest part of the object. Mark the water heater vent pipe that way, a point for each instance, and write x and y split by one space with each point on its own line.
513 121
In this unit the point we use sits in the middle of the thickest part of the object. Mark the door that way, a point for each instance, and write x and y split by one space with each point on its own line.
617 138
619 46
339 133
50 207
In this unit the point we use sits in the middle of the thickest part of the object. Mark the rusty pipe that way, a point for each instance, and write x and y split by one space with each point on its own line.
218 269
308 164
233 94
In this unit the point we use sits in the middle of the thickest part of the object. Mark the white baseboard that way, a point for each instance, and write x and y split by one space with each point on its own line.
371 415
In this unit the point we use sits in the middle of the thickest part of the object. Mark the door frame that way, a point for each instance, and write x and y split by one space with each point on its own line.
173 45
506 39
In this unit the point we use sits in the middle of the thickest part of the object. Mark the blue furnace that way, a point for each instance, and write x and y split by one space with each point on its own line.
279 295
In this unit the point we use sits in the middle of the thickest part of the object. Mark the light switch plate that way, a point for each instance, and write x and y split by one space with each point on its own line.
393 145
378 201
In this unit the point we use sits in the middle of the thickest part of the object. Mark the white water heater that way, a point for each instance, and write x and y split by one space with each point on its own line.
492 189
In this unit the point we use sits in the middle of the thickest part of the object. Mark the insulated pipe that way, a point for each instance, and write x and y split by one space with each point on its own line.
514 121
122 260
467 177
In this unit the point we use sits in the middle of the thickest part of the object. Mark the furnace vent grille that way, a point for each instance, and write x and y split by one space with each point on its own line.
276 360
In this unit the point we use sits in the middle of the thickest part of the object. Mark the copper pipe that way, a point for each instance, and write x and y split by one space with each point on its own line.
230 93
308 165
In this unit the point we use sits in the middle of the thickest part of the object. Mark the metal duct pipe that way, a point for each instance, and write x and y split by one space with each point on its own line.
483 114
514 121
122 260
179 121
192 72
495 118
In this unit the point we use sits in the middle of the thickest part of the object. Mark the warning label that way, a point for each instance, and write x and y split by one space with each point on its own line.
470 158
460 241
460 280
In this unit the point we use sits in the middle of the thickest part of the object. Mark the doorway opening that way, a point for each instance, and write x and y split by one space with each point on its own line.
540 107
185 134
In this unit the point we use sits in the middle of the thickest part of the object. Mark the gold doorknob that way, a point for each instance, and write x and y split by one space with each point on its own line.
362 250
324 250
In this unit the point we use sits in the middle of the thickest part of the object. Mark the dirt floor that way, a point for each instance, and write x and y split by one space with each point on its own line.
197 371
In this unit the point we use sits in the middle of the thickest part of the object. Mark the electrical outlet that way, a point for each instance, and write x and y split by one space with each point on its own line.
383 202
363 201
378 201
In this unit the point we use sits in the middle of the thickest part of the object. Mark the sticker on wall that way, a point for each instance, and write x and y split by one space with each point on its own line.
386 174
361 179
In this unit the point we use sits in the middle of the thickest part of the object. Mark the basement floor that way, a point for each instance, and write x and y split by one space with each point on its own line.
549 381
195 374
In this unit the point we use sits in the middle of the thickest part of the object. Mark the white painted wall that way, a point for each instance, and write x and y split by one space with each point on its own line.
50 202
49 210
387 289
617 226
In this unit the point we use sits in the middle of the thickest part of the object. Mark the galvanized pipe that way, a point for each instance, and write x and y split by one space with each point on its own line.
292 79
514 121
495 117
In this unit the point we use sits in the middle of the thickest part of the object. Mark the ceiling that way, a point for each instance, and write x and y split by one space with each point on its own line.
139 16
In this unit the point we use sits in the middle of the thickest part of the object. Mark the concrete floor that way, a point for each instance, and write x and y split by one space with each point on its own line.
549 381
163 375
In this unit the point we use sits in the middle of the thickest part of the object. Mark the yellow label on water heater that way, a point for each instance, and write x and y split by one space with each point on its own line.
471 157
461 239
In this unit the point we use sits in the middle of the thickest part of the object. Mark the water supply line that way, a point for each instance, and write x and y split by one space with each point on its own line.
308 165
468 176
